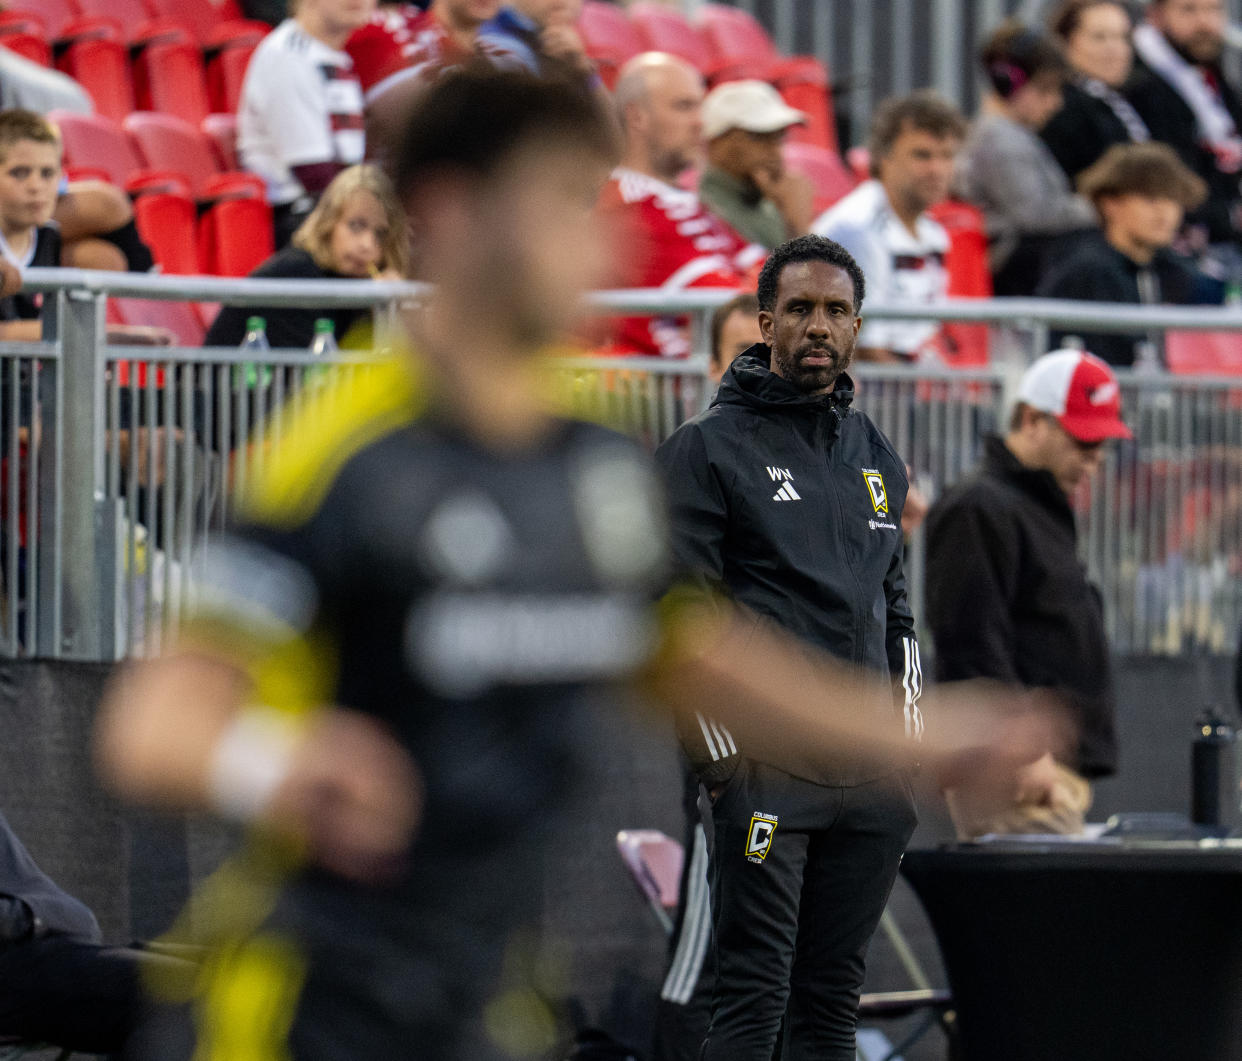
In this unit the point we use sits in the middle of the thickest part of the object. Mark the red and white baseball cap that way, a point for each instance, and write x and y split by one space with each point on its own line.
1078 389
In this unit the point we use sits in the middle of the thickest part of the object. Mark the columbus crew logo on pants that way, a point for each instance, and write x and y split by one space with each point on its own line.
759 836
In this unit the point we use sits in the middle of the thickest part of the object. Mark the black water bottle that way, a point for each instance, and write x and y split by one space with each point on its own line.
1214 794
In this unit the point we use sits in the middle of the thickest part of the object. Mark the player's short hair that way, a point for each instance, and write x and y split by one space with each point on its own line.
746 302
1016 54
926 111
17 125
473 119
1066 17
314 235
808 249
1151 169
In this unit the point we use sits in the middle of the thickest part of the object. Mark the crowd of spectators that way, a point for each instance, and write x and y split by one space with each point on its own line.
705 183
1150 221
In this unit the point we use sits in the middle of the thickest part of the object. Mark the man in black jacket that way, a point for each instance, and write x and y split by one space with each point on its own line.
1179 89
1141 192
1007 597
788 500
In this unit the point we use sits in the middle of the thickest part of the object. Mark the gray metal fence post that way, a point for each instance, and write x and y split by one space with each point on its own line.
88 543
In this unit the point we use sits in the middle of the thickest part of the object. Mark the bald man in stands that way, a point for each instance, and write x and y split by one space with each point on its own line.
674 242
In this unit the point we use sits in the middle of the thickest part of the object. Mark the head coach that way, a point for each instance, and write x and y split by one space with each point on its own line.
787 500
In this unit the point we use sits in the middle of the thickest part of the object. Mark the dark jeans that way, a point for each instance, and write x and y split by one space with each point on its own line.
76 995
800 875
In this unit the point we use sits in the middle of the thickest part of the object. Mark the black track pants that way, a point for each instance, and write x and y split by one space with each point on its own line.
800 875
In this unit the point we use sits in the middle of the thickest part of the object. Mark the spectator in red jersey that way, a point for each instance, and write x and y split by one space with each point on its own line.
674 241
300 119
404 47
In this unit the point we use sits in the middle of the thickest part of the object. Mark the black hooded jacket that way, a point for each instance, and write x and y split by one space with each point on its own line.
790 504
1008 598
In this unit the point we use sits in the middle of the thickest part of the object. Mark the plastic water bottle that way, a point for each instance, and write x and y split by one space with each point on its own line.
324 341
256 335
256 341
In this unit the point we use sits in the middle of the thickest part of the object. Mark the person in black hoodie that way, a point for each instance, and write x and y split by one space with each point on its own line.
788 500
1007 597
1179 88
1141 192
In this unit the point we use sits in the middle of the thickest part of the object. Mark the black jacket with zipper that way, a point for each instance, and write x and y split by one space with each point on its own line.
790 504
1009 599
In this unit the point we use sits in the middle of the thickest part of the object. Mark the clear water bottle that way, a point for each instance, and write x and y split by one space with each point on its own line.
324 342
250 374
256 335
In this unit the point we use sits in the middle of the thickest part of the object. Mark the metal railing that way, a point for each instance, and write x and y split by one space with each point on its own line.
117 463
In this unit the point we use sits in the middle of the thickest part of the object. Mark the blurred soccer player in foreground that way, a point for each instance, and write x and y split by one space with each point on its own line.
393 655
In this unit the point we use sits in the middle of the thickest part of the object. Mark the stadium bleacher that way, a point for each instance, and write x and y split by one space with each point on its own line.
165 78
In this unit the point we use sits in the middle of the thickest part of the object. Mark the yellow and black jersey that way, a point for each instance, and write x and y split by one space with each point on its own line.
465 596
476 601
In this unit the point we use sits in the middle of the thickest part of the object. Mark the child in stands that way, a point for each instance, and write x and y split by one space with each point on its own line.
30 193
29 181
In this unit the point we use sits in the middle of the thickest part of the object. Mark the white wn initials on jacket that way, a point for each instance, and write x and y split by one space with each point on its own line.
785 478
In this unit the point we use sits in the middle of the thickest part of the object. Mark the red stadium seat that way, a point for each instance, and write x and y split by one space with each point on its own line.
734 35
663 29
95 55
131 14
179 318
803 83
228 51
237 235
98 143
30 46
1204 353
610 38
166 142
830 176
201 16
226 72
237 184
221 129
162 31
18 20
53 15
86 173
166 222
26 34
969 277
168 77
238 31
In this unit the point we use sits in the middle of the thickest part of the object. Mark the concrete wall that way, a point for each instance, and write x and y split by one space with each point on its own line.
135 871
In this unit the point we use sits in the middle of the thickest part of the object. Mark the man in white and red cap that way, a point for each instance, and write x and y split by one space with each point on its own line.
745 181
1007 597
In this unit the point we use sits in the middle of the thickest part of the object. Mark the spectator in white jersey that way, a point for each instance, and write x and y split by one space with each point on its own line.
300 118
884 224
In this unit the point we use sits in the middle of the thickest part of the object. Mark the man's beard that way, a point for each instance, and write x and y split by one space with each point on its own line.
1203 49
812 379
